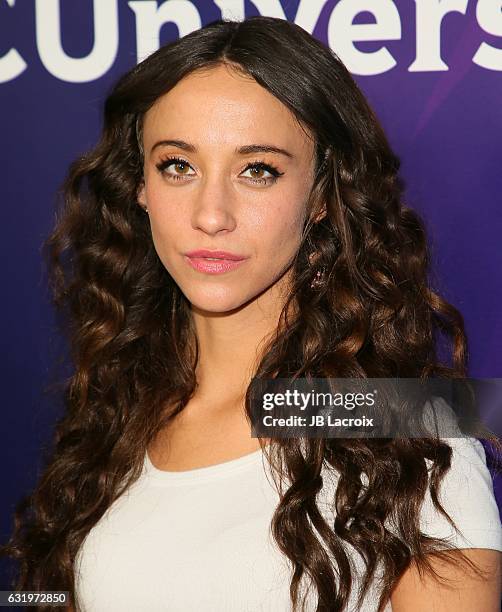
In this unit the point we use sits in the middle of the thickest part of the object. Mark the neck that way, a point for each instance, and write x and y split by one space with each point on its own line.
231 344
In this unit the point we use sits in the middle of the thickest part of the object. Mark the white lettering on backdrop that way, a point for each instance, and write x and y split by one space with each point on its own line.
342 32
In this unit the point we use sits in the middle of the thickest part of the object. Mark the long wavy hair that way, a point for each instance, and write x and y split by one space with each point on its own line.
134 351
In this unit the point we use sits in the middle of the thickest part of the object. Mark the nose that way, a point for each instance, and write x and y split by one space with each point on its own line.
214 205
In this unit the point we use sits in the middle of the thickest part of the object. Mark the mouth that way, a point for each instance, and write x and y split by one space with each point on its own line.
208 254
214 262
213 265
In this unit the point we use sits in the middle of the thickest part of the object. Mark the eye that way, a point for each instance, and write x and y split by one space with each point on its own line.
181 174
258 166
180 164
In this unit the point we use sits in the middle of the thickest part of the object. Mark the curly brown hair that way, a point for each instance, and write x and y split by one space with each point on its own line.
132 340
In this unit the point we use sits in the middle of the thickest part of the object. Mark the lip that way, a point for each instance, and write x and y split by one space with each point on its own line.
218 254
224 262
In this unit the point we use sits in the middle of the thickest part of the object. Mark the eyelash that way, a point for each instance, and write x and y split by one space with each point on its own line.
163 164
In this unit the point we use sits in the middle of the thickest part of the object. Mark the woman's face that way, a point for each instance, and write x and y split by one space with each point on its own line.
210 185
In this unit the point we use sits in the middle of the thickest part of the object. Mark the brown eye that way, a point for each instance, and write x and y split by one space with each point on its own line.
256 172
257 168
181 168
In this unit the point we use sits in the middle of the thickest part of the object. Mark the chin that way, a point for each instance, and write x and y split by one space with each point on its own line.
216 299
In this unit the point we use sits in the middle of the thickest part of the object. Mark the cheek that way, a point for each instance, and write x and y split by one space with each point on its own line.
280 225
163 231
166 211
166 226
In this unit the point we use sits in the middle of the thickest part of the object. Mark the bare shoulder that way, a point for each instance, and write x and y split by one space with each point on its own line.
463 590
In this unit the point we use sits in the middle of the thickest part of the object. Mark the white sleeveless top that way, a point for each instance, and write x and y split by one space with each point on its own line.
199 540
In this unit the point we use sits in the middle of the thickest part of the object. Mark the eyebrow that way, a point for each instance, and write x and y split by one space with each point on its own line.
244 150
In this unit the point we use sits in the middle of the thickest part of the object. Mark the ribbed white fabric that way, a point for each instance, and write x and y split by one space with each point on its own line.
199 540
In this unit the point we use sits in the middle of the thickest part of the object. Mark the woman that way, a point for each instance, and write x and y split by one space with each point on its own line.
242 217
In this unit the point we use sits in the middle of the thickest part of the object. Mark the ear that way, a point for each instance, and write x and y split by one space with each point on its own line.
141 197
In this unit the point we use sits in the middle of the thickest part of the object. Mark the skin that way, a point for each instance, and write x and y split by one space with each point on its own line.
464 592
216 205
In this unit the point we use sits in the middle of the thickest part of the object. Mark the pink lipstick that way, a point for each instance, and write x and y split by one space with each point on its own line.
214 262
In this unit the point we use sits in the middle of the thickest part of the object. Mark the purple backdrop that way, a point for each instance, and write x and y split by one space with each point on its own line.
433 79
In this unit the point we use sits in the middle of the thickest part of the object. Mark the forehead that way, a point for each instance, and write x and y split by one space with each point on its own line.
220 106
